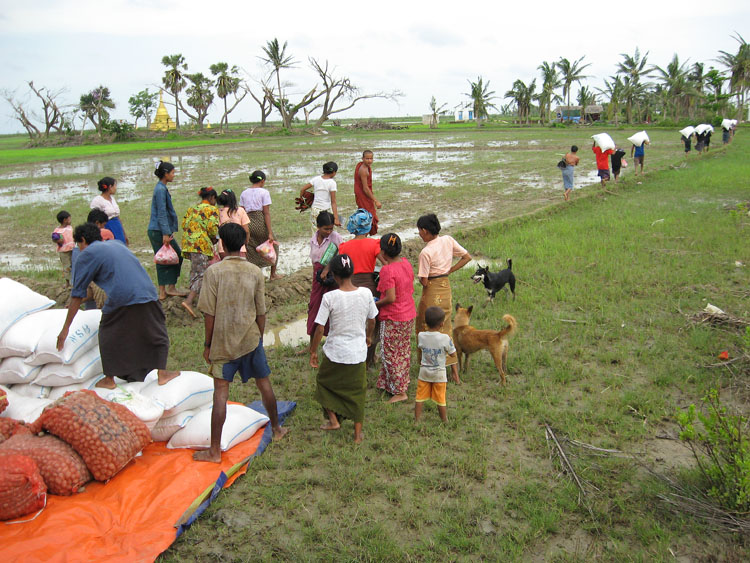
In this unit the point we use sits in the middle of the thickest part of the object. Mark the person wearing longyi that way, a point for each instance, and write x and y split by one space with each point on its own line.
363 194
200 227
133 337
161 226
107 203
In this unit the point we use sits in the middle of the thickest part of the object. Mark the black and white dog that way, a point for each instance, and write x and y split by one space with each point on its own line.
495 282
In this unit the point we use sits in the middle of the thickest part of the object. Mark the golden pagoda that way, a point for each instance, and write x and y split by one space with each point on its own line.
162 121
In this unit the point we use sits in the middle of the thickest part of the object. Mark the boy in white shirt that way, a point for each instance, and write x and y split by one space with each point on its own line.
435 346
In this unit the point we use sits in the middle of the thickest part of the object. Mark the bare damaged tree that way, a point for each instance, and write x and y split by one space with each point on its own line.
340 90
54 117
21 115
263 100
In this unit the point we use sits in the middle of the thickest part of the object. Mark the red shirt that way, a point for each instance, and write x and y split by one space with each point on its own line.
602 158
399 275
107 234
363 252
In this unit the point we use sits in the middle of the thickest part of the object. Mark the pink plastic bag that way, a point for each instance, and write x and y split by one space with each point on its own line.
624 164
166 256
267 251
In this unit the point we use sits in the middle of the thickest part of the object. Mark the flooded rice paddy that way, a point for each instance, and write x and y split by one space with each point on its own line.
465 177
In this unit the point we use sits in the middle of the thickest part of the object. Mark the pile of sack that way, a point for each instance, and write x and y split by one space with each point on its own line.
58 430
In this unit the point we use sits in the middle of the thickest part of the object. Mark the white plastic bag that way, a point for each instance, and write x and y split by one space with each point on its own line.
639 138
82 337
603 141
687 131
19 301
189 390
22 337
168 425
267 251
85 367
241 423
16 370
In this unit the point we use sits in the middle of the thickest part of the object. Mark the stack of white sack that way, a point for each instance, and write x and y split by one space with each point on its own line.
687 131
639 138
603 141
181 398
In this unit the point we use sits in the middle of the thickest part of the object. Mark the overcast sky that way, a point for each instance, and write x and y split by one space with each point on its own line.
420 48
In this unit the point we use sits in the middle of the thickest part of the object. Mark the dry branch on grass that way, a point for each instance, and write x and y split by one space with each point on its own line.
719 319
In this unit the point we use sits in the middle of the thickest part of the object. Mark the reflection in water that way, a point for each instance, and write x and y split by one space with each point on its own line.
290 334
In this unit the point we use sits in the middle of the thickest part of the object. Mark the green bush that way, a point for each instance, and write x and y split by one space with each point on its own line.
721 450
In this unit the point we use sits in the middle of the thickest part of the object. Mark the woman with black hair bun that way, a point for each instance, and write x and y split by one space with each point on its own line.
106 202
256 200
341 382
200 228
435 265
161 226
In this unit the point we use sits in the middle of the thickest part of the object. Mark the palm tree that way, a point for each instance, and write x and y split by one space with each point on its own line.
739 72
522 95
585 98
613 90
277 57
174 80
571 72
227 82
481 97
676 83
550 82
634 68
698 80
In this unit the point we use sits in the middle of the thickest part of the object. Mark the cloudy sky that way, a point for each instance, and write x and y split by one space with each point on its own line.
420 48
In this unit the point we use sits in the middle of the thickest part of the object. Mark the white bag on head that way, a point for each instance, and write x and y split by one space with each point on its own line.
82 337
22 337
687 131
189 390
85 367
702 128
19 301
16 370
726 124
241 423
639 138
603 141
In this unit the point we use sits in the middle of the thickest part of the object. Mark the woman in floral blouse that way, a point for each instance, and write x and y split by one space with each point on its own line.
199 229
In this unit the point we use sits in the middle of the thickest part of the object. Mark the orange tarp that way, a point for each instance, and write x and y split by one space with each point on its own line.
130 518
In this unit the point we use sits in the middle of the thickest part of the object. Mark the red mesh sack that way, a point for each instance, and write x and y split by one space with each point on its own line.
22 488
3 400
106 435
61 467
10 427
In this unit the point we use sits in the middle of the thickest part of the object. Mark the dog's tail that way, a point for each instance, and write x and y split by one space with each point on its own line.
510 264
511 328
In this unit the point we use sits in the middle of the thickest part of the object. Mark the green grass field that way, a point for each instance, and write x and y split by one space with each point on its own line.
605 354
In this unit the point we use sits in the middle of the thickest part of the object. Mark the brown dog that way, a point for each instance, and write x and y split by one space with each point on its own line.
468 340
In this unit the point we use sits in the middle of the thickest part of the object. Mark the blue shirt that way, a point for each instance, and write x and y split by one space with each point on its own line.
163 215
113 267
639 151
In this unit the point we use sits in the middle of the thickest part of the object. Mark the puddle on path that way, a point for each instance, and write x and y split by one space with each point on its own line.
18 261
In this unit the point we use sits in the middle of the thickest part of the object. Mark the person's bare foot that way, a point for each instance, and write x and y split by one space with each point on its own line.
358 437
302 351
279 433
106 383
165 376
398 398
189 309
275 277
456 379
207 455
329 426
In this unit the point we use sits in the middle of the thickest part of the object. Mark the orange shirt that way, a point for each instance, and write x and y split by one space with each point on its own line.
107 234
363 252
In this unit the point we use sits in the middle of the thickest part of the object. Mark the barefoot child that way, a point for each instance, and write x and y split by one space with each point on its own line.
62 236
233 304
435 347
397 313
342 375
